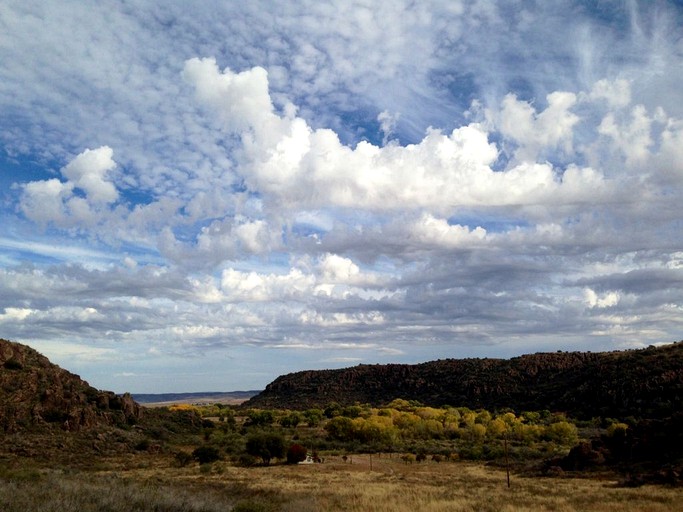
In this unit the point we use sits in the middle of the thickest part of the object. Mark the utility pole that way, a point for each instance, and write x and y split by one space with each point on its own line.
507 460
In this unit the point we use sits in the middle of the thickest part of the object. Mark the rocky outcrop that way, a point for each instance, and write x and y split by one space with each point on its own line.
644 383
36 394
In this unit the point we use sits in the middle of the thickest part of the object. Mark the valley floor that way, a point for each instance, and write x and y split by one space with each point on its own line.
377 484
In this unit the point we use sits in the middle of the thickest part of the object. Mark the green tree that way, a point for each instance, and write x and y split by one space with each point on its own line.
340 428
259 418
206 454
496 428
313 417
477 432
291 420
266 446
563 432
483 417
333 410
401 405
352 411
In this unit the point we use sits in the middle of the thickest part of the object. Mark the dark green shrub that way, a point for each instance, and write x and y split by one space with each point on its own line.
313 417
266 446
183 459
206 454
13 364
258 418
142 445
291 420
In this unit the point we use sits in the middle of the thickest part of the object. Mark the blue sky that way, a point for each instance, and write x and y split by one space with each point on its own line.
206 195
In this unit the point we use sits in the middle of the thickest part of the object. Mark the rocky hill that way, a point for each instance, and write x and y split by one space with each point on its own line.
644 383
37 395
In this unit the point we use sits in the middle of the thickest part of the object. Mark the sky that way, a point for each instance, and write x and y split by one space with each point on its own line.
202 196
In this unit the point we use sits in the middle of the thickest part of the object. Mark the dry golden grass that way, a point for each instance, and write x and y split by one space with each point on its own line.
154 483
430 487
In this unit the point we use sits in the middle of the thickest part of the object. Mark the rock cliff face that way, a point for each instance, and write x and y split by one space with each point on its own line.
36 394
644 383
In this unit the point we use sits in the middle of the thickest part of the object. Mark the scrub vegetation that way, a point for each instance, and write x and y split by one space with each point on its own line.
403 456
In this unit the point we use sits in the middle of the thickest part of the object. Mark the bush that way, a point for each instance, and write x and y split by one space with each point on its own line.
142 445
340 428
266 446
296 454
206 454
245 460
313 417
563 432
183 459
13 364
291 420
260 418
408 458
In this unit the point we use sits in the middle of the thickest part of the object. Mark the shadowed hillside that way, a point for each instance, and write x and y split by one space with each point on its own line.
36 394
642 383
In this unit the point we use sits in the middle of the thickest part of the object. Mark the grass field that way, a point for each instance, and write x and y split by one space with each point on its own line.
140 482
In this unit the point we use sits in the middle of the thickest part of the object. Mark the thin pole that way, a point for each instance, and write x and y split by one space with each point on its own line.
507 461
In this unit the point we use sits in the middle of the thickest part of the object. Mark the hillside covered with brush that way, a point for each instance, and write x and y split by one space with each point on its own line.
645 383
36 395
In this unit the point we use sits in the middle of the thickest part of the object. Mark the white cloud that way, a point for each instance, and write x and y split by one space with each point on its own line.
387 122
552 128
617 93
430 231
632 137
594 300
67 354
224 239
252 286
15 314
241 99
299 167
337 269
340 319
88 171
53 201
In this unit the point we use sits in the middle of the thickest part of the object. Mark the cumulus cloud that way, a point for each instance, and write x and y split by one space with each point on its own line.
88 172
552 128
297 166
54 201
241 99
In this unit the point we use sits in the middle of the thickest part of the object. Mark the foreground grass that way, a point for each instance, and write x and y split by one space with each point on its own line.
391 485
